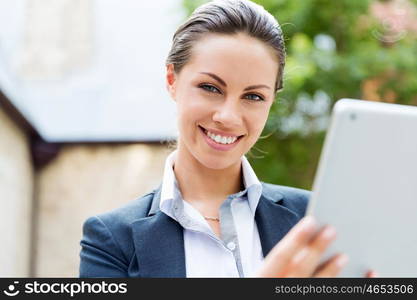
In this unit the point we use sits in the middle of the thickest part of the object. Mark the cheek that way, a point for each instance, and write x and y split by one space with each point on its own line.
192 103
191 109
258 120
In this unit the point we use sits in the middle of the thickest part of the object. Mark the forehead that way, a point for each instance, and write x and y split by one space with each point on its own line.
230 54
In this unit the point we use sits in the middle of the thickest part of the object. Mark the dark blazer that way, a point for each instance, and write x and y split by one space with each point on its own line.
138 240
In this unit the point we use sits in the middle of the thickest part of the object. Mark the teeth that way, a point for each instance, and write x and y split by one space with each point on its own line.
221 139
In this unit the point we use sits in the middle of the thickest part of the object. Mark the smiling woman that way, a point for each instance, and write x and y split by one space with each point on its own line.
211 216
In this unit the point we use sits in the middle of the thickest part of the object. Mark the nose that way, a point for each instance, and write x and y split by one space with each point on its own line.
228 114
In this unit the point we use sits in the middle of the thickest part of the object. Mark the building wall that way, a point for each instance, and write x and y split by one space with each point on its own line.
84 180
16 193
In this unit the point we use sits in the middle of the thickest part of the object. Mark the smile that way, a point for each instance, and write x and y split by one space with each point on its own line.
218 142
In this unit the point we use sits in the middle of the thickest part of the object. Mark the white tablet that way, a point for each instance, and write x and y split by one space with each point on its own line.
366 186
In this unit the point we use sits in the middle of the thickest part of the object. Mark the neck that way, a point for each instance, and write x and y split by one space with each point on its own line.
205 185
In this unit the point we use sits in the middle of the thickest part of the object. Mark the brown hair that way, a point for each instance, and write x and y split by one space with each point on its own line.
228 17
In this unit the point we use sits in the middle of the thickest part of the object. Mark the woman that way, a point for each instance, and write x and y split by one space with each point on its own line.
211 216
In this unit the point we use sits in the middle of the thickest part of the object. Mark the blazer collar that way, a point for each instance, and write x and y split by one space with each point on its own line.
159 240
273 218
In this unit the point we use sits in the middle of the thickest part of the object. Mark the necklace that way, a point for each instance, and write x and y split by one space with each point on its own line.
212 219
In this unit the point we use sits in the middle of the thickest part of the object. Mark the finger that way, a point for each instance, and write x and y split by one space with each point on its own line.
371 274
332 267
282 254
307 261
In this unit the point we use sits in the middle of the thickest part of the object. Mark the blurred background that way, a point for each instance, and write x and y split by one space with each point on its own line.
86 123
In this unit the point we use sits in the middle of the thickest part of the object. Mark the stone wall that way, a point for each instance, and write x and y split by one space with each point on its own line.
16 194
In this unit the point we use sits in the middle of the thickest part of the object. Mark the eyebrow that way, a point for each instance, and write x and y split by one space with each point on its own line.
221 81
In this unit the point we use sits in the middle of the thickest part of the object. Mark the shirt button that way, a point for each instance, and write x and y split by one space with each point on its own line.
231 246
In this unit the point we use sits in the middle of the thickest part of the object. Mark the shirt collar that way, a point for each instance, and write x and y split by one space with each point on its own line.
250 180
169 180
252 184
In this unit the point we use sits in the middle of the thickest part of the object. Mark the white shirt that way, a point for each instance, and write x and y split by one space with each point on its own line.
238 253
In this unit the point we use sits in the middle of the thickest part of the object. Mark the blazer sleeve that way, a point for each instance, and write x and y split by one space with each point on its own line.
100 255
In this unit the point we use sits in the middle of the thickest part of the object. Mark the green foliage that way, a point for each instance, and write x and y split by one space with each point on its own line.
333 47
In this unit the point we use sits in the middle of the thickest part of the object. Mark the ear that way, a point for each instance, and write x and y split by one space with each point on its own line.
171 81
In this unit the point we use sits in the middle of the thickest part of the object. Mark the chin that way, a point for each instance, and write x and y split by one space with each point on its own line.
217 162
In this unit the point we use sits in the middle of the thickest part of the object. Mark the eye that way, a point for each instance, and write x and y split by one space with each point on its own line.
254 97
209 88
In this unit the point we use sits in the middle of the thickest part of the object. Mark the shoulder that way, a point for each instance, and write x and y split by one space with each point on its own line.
114 227
129 212
126 214
295 199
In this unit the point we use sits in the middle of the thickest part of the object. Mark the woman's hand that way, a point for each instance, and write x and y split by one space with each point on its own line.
299 253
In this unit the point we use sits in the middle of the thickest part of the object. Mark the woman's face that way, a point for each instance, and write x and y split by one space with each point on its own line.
224 91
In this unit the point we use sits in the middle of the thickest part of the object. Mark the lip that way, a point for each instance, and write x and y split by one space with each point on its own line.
217 132
218 146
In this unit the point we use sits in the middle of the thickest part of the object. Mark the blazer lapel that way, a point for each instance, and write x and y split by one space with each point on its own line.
159 244
273 219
